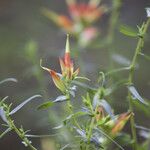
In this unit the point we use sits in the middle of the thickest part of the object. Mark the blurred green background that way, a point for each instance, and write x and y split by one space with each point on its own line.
24 31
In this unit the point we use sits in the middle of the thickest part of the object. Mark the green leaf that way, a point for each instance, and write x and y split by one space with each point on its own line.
23 103
143 108
136 95
45 105
128 31
145 56
5 132
82 78
77 114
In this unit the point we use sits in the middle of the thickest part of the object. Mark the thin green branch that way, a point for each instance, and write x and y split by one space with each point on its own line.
138 49
13 127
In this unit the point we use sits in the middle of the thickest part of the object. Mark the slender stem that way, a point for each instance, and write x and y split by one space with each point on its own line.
138 49
113 21
89 134
71 112
20 133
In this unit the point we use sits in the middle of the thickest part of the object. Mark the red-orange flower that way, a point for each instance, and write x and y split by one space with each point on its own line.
67 67
68 74
88 12
120 123
60 20
81 16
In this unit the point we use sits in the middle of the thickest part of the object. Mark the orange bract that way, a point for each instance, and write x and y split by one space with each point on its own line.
67 67
67 70
120 123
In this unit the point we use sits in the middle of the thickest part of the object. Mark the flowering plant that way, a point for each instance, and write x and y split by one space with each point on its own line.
81 21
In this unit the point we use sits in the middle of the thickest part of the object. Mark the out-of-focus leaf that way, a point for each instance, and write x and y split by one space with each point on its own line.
45 105
83 78
148 11
58 127
95 140
103 103
82 133
136 95
142 128
85 109
107 108
124 139
72 93
77 114
128 31
2 114
145 56
144 134
3 100
5 132
64 147
121 59
117 70
9 80
85 86
117 144
96 100
60 98
145 110
23 103
39 136
31 50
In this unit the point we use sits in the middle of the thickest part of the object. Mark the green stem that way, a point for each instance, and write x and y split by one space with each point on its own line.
20 133
89 134
138 49
71 112
113 21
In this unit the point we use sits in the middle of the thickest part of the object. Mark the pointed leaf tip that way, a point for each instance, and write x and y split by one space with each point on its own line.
44 67
67 44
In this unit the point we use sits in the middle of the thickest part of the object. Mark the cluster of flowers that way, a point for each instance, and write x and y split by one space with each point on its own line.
80 20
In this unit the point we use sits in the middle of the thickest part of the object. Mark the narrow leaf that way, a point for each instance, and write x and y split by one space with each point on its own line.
8 80
58 127
45 105
118 145
23 103
144 134
128 31
39 136
136 95
60 99
82 133
145 56
82 78
2 114
107 108
5 132
64 147
148 11
121 59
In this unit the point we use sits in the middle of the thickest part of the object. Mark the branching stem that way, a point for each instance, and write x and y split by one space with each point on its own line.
138 49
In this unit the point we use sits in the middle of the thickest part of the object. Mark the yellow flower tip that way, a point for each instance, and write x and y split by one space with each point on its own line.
67 44
44 67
